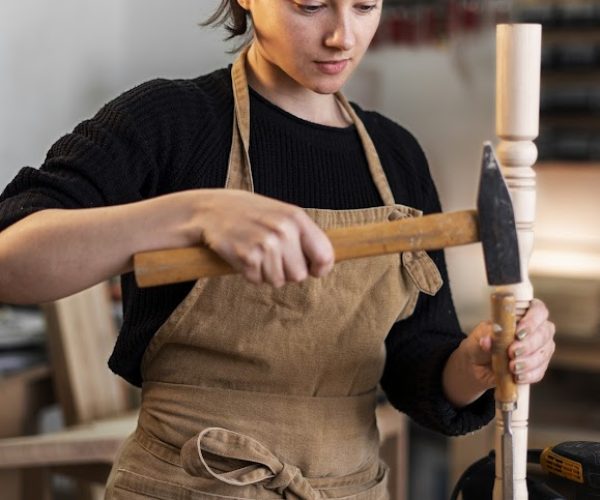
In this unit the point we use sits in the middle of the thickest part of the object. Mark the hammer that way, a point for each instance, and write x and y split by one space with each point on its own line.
493 224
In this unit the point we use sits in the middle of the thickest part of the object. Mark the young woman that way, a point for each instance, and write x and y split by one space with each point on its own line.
262 384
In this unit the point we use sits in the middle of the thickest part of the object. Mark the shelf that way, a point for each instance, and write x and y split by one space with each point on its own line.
570 77
569 35
573 121
580 77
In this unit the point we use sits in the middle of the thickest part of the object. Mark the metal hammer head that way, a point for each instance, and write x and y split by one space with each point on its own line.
497 223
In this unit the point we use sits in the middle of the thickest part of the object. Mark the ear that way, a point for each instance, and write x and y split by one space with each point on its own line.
244 4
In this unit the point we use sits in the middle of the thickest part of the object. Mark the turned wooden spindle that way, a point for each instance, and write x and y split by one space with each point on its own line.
518 57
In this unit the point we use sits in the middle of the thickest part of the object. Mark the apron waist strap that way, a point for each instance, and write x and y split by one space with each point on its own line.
243 461
323 436
239 460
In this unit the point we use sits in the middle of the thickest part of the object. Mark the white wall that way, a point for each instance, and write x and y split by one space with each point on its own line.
60 61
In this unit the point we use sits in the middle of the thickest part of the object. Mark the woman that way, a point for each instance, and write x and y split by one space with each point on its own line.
262 387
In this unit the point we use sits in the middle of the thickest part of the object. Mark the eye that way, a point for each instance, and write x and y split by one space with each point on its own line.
309 8
365 8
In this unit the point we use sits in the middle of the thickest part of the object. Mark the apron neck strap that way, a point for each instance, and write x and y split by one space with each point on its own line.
239 172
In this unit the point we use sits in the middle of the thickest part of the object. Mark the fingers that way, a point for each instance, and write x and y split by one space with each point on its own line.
485 343
268 241
534 346
294 248
480 343
316 247
272 262
258 259
535 316
531 369
249 263
276 259
531 336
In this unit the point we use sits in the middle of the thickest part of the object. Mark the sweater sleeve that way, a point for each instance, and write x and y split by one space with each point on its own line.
419 346
116 157
417 350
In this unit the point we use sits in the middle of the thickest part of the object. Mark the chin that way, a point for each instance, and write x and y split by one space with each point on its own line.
329 87
327 90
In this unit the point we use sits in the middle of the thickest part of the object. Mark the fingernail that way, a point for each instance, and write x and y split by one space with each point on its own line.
496 328
519 352
519 367
521 334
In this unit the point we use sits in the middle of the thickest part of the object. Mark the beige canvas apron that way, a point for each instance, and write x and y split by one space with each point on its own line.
254 392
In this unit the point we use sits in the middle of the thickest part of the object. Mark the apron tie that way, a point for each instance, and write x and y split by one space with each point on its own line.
240 460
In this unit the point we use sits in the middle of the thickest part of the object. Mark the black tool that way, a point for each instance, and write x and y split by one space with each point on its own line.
572 473
576 461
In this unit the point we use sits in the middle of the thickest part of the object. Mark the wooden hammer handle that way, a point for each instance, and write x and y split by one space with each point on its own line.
420 233
504 325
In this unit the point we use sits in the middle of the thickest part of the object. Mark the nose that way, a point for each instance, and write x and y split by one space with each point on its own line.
341 34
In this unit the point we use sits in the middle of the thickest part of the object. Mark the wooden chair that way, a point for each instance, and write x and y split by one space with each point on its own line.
81 336
96 404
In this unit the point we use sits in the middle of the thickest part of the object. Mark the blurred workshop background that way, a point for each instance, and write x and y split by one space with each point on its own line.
431 68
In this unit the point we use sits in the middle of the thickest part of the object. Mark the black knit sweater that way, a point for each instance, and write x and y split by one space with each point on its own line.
171 135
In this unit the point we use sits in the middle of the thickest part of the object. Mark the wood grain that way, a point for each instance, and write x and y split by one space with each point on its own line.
430 232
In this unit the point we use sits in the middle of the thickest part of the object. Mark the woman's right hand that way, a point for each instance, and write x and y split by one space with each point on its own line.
57 252
267 240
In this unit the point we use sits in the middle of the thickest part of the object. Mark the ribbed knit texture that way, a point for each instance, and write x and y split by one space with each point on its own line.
312 160
170 135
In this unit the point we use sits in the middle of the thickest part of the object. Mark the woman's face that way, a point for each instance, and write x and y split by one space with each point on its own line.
315 44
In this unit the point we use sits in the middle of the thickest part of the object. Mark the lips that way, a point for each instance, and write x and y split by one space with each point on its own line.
332 67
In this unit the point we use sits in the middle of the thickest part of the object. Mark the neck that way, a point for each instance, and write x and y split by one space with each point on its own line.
277 87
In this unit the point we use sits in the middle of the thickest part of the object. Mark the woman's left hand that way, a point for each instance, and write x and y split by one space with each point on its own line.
531 350
468 371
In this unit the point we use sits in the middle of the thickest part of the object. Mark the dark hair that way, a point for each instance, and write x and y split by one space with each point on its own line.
234 17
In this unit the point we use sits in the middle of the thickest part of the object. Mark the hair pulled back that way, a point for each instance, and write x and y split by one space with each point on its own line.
234 17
